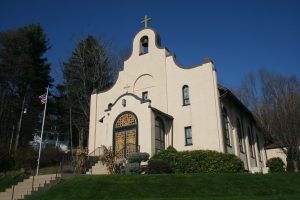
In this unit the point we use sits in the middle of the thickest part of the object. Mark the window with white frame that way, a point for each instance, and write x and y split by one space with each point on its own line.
251 143
226 127
188 136
258 148
240 135
186 95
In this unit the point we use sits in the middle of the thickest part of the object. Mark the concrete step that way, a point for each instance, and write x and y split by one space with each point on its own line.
98 168
24 188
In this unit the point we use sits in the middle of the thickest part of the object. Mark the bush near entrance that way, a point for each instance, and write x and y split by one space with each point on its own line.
138 157
198 161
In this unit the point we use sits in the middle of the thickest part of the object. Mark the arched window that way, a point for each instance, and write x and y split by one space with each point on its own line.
159 135
185 95
251 143
258 148
144 44
240 134
125 135
226 127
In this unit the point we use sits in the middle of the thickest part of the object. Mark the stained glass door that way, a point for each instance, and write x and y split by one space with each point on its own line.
125 135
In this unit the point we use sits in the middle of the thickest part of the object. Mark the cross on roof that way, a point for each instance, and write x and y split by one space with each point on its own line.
145 21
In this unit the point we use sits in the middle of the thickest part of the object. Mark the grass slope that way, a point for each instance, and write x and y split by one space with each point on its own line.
177 186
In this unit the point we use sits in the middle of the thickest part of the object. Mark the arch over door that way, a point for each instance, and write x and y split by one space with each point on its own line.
125 136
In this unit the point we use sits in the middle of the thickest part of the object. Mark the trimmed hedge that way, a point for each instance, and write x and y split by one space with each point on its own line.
158 167
198 161
275 165
138 157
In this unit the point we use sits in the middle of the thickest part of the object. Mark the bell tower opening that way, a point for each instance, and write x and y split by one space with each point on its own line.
144 44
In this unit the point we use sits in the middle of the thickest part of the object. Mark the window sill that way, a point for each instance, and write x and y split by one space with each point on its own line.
188 145
186 104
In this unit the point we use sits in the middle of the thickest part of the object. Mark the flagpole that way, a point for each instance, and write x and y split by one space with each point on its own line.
42 131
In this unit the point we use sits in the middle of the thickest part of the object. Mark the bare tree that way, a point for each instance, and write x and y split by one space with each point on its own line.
275 101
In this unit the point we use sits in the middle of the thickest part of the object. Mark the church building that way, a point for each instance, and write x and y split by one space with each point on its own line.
155 103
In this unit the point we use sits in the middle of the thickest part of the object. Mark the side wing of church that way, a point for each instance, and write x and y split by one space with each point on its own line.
155 103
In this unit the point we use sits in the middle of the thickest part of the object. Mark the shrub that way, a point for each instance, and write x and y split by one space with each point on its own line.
108 159
170 155
25 157
138 157
135 170
6 161
158 167
275 165
200 161
51 156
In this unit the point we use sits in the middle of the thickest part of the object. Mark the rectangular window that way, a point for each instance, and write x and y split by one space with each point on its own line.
188 136
145 95
250 142
258 148
240 135
186 95
226 127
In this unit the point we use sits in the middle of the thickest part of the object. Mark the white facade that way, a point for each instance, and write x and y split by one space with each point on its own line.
182 105
276 153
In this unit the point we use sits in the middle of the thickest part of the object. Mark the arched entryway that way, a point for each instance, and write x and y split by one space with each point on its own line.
125 137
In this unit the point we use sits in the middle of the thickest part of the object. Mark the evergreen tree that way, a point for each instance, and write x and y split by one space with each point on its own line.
89 68
24 75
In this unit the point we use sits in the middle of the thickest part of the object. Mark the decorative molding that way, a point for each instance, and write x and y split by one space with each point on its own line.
110 105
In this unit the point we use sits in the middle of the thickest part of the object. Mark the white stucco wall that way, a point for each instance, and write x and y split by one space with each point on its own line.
251 163
202 113
276 152
157 73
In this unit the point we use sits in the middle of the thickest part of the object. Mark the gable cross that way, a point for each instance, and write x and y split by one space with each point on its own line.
127 87
145 21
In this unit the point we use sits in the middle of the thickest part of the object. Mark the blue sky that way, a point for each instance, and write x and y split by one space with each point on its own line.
239 36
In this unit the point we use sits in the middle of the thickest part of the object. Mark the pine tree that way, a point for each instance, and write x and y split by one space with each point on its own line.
89 68
24 74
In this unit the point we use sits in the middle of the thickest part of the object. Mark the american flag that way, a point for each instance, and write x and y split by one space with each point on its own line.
43 98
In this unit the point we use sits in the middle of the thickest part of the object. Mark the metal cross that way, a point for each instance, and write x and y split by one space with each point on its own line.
145 21
127 87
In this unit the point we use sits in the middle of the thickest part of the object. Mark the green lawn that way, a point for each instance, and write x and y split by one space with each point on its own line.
178 186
